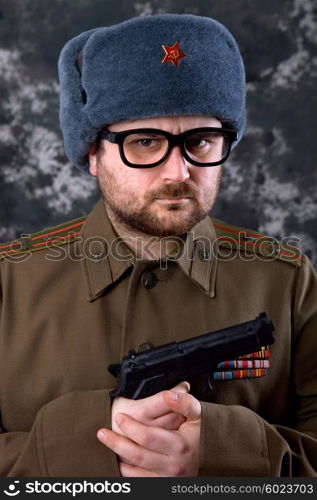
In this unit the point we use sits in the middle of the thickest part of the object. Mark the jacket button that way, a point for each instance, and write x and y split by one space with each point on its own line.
97 255
145 347
149 280
204 255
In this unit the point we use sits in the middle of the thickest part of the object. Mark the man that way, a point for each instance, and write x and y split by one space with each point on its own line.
152 107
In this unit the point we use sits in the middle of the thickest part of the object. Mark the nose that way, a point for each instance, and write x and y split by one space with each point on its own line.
175 167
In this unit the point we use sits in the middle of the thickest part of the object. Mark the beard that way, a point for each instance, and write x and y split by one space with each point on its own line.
142 216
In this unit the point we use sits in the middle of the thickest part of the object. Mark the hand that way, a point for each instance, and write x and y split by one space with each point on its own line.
149 411
147 450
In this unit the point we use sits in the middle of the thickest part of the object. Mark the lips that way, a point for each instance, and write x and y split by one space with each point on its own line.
174 193
175 199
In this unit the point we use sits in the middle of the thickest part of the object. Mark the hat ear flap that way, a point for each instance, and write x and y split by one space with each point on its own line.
74 121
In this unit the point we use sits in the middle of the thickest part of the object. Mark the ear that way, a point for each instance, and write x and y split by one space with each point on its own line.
92 156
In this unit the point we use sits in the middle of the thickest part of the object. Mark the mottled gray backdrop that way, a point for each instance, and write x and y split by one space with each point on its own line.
269 183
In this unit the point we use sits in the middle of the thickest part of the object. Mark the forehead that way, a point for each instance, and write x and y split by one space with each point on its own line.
170 123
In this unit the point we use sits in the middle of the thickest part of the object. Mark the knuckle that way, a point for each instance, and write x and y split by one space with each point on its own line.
135 456
146 438
141 414
181 447
176 469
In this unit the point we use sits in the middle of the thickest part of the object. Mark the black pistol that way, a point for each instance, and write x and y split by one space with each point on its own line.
145 373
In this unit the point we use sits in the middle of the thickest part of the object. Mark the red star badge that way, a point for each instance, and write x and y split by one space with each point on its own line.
173 54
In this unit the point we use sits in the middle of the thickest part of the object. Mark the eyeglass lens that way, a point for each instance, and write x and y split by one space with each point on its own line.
149 147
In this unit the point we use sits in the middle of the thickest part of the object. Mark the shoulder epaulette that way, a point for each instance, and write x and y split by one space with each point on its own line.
249 241
56 235
228 236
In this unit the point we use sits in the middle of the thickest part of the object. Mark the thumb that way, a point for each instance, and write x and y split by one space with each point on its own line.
183 403
182 387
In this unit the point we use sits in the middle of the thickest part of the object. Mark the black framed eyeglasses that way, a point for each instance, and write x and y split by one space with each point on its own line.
148 147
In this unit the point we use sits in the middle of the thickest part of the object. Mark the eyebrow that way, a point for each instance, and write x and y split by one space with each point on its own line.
147 134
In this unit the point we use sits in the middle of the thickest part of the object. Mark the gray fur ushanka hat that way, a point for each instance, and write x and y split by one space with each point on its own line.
160 65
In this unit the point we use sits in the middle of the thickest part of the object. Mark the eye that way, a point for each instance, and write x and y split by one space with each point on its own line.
147 143
202 141
195 142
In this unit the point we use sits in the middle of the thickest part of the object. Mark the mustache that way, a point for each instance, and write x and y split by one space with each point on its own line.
175 190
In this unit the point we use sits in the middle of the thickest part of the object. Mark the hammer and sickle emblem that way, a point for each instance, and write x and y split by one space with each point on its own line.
173 54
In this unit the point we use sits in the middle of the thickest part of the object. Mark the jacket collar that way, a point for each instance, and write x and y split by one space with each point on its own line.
199 258
106 258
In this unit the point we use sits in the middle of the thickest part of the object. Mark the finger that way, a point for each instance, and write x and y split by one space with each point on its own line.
171 421
131 452
185 404
156 439
127 470
155 406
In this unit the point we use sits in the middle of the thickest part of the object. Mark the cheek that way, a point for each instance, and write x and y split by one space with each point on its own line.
205 176
141 179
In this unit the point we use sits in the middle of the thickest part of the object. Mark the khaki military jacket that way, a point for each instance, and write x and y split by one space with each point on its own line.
73 300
